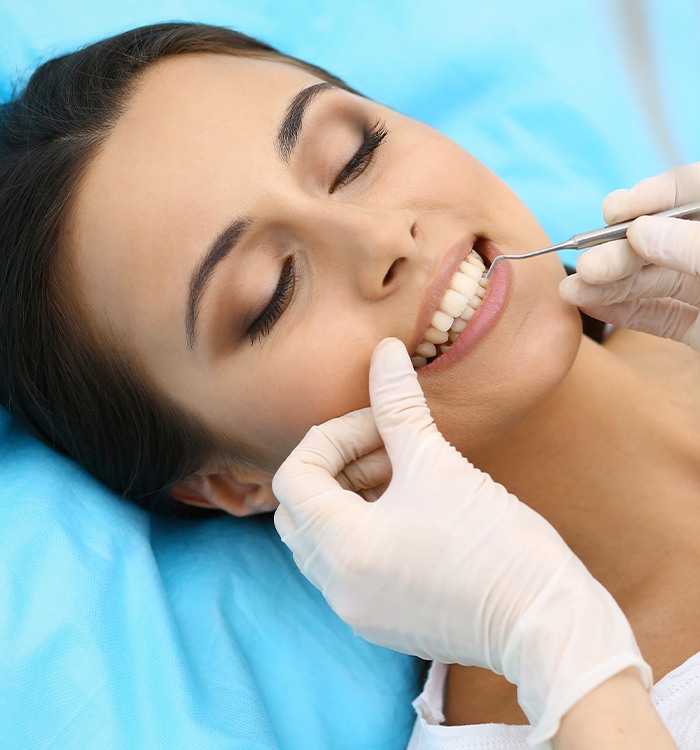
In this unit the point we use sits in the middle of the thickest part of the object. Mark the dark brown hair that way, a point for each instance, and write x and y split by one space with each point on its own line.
78 392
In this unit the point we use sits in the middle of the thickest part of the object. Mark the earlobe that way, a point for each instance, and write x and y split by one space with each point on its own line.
240 492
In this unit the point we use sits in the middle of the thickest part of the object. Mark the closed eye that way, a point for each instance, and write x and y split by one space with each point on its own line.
278 303
372 138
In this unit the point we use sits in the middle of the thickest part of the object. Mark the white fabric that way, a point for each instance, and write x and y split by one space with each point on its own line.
676 697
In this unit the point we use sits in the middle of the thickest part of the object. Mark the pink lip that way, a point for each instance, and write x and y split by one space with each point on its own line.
485 318
437 287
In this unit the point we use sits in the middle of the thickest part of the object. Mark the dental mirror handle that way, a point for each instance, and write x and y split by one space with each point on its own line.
604 234
618 231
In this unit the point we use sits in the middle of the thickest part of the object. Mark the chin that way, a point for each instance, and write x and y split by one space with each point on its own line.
506 380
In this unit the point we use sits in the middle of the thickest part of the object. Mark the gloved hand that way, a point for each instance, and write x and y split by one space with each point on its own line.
446 564
651 280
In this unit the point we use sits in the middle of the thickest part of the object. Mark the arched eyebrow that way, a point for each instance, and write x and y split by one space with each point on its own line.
219 249
288 133
233 233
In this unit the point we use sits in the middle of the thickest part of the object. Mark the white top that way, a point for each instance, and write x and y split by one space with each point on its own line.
676 697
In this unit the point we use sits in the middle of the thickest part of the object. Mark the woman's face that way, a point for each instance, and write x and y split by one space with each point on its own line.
253 268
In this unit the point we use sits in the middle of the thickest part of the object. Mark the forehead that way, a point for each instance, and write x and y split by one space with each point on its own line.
184 156
184 109
206 84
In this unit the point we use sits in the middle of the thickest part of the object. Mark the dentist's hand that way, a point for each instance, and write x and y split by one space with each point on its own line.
651 280
446 564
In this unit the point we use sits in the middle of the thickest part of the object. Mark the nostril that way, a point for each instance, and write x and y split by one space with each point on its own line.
393 269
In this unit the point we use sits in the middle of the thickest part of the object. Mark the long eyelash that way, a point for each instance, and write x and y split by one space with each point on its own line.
372 138
262 325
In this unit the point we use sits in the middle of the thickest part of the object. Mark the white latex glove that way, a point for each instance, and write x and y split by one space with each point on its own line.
446 564
651 280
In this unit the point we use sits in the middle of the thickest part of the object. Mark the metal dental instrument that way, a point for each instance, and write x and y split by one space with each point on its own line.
604 234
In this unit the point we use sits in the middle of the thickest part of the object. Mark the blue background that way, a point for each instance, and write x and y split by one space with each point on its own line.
564 100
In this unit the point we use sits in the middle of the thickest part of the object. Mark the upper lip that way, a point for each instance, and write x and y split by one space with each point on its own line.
437 287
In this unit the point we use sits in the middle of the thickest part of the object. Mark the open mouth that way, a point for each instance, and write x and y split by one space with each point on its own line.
457 307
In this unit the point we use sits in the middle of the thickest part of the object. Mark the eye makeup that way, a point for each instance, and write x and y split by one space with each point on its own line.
372 137
262 325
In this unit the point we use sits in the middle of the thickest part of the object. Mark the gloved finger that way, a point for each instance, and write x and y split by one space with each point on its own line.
672 243
308 491
398 404
310 469
284 523
578 292
650 282
674 187
287 530
367 472
667 318
607 262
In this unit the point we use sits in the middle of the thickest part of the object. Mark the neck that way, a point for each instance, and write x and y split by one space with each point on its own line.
611 461
595 461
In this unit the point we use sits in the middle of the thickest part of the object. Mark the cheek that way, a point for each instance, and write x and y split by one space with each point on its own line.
430 172
303 388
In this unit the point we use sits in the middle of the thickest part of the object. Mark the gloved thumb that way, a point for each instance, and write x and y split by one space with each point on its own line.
398 404
674 187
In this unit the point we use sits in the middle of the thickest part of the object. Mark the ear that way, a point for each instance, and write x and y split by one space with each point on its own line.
240 492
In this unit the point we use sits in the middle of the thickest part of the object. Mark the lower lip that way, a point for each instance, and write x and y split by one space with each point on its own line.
485 318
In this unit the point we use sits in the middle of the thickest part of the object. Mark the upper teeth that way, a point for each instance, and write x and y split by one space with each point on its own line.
466 290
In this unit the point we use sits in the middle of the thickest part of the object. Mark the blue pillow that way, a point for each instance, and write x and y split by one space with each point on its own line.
122 630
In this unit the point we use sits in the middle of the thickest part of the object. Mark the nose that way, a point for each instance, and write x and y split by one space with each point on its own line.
372 247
